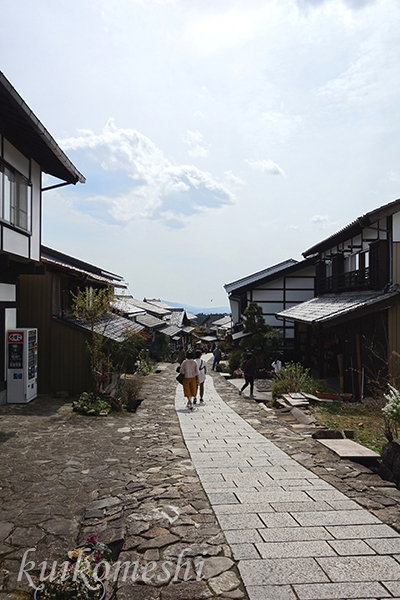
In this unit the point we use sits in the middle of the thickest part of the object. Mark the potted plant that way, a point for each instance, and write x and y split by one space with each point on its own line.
79 577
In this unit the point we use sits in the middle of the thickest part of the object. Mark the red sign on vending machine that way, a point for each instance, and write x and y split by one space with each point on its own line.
15 337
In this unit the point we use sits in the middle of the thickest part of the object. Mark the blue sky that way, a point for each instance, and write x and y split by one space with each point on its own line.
217 138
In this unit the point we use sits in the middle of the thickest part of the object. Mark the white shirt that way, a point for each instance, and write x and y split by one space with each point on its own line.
189 368
202 369
277 365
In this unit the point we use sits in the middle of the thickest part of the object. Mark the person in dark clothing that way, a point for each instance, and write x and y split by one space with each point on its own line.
248 371
217 358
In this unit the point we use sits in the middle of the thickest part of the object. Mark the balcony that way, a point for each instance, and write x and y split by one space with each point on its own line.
353 280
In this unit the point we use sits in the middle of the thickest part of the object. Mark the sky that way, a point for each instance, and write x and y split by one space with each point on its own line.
217 137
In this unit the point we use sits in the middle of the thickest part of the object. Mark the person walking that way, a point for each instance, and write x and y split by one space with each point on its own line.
217 358
202 377
277 365
248 371
191 372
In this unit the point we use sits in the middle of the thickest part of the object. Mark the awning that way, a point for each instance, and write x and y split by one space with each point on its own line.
333 308
240 334
209 338
112 326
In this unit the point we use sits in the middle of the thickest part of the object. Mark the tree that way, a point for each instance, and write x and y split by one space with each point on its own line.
93 307
262 338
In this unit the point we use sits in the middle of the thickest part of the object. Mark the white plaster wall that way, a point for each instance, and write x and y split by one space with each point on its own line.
8 292
15 242
16 159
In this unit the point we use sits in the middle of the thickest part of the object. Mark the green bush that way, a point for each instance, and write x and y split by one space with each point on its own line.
235 360
293 377
91 405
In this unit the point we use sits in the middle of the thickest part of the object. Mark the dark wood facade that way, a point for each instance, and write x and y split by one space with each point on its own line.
63 361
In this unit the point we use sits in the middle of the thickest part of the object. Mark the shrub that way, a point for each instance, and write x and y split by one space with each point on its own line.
144 366
91 405
391 413
292 377
235 360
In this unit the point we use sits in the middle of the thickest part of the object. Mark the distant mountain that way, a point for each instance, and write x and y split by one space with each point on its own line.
195 310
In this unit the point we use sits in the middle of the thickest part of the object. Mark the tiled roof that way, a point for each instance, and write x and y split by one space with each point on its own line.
79 267
255 277
159 303
333 306
149 321
224 321
151 308
171 330
188 329
176 318
112 326
127 308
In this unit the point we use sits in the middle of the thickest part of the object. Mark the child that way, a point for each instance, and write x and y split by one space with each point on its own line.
202 377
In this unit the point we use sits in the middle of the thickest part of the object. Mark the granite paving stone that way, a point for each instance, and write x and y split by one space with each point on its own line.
282 571
360 568
295 549
287 534
340 591
270 592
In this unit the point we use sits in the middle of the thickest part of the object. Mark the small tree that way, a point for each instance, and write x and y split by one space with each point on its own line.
264 339
93 307
126 352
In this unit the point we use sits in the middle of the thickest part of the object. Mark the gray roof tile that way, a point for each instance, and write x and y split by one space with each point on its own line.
332 306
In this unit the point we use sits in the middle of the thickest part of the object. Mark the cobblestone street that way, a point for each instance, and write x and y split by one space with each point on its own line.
130 479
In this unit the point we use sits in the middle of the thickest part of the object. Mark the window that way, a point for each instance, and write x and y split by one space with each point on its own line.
15 198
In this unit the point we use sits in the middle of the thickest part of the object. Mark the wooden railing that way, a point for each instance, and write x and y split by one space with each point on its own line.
347 281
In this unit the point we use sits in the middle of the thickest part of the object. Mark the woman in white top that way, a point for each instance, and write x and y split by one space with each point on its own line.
202 377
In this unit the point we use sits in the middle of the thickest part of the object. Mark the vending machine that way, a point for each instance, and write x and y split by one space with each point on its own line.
21 365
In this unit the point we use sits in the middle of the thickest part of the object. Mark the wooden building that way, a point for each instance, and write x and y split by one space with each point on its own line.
349 333
26 151
274 289
45 302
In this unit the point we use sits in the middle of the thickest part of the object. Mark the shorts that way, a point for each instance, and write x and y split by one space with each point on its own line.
190 387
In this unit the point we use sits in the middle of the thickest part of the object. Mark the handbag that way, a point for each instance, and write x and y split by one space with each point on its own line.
180 378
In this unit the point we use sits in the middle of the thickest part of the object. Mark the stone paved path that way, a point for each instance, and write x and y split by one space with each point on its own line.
129 478
295 536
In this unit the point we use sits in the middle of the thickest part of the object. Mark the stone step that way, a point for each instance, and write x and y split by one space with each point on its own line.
349 449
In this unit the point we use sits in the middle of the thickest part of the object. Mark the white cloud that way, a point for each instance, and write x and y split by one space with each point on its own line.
232 179
266 166
159 189
196 143
322 221
352 4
